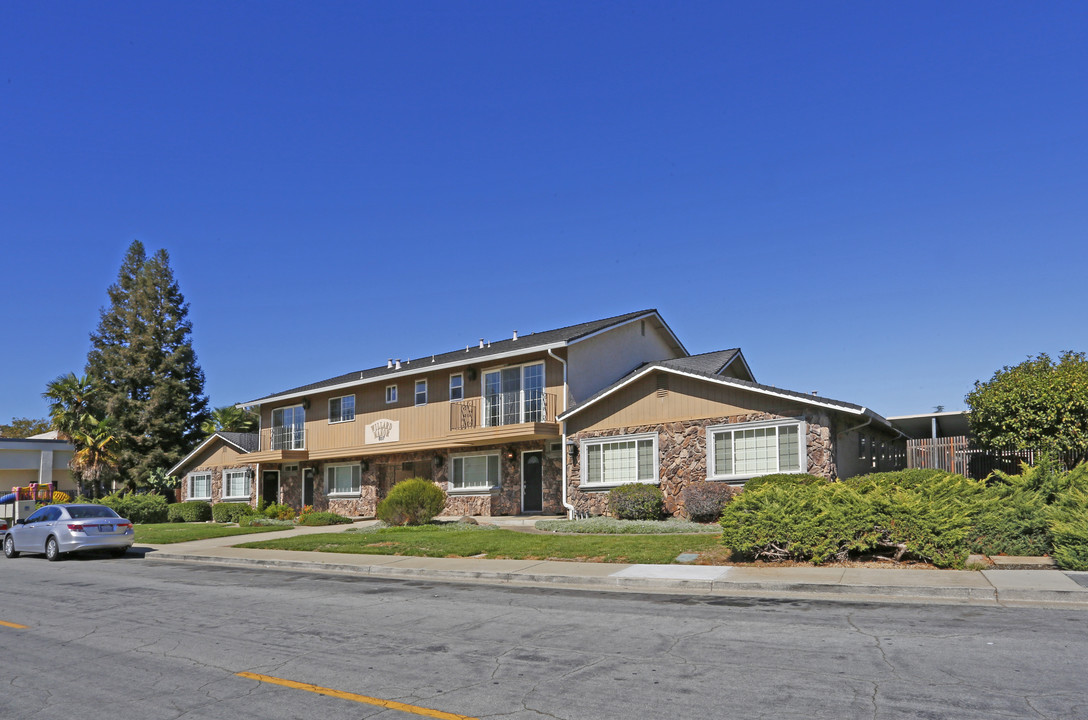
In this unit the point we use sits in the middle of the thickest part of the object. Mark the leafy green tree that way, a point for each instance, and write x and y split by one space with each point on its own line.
142 358
24 427
1038 404
230 419
161 483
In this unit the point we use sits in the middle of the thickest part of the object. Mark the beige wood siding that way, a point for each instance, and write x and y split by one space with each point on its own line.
644 402
216 454
417 423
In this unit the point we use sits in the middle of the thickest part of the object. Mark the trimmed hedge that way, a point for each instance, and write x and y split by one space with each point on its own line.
322 518
190 511
138 508
704 501
785 479
636 501
227 512
411 502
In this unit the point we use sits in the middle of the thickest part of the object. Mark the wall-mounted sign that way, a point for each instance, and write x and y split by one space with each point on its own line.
382 431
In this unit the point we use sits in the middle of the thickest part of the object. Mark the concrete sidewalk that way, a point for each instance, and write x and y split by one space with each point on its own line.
989 587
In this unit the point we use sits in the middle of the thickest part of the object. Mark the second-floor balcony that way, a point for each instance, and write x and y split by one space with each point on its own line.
287 438
498 409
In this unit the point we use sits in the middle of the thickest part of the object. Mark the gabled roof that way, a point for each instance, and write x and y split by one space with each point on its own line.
712 363
242 442
695 366
560 337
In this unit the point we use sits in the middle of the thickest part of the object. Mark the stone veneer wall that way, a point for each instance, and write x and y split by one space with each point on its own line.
682 455
504 501
217 482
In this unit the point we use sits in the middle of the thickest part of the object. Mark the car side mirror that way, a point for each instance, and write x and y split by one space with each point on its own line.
21 521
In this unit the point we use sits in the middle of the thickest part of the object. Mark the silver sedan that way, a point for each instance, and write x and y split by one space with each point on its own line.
59 529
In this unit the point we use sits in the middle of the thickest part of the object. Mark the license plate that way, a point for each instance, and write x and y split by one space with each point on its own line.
105 528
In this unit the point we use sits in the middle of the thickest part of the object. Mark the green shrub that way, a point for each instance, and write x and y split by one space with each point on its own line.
785 479
704 501
802 521
190 511
1011 518
226 512
322 518
412 502
636 501
1068 520
137 508
279 511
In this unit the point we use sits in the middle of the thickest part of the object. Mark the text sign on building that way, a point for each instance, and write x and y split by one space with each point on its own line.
382 431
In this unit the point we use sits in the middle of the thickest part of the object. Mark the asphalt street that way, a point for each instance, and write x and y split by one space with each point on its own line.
131 639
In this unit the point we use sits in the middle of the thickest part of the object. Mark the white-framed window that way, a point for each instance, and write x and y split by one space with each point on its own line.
619 460
514 395
746 450
342 409
200 486
289 428
235 484
421 392
390 394
457 386
474 472
343 480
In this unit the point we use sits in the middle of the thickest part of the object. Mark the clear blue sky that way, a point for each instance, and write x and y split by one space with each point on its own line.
880 201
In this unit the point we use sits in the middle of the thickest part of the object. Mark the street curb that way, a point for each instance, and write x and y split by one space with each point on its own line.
693 587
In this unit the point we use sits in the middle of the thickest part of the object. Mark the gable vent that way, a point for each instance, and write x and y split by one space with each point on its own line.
662 385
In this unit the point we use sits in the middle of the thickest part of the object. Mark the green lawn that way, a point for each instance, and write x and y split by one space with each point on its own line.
438 541
166 533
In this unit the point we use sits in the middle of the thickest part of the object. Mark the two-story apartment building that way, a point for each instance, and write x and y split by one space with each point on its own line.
489 424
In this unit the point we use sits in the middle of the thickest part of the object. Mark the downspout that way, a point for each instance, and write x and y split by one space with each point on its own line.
563 439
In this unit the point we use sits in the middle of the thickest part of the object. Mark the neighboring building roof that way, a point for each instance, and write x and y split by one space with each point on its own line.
51 435
526 343
696 368
35 443
242 442
935 424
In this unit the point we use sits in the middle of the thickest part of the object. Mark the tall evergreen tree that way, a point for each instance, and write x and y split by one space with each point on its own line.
142 357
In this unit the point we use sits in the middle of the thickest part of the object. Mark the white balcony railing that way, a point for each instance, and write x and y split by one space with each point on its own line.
288 438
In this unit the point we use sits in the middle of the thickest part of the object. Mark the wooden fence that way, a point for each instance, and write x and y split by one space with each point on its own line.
958 455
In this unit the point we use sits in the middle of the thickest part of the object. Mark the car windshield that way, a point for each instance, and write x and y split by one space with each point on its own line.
84 512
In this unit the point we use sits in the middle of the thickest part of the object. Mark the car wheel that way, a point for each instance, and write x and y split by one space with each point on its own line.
119 552
52 549
9 547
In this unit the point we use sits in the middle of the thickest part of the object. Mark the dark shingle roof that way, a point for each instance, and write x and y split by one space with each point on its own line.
526 342
249 442
711 362
697 364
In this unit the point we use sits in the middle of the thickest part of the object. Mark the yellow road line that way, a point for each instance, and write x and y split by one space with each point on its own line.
390 704
14 625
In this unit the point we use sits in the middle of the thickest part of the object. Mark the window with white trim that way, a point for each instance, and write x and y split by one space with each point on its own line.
342 409
619 460
474 472
200 486
457 386
343 480
746 450
235 484
390 393
421 392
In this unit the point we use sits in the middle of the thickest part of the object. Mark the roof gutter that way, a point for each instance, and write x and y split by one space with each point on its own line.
563 440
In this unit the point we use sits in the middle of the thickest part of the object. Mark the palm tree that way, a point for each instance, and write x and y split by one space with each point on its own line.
230 419
70 399
94 457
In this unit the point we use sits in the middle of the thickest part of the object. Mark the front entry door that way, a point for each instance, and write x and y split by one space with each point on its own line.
270 486
532 482
308 487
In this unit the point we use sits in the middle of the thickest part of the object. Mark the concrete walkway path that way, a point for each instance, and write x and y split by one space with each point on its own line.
1004 587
